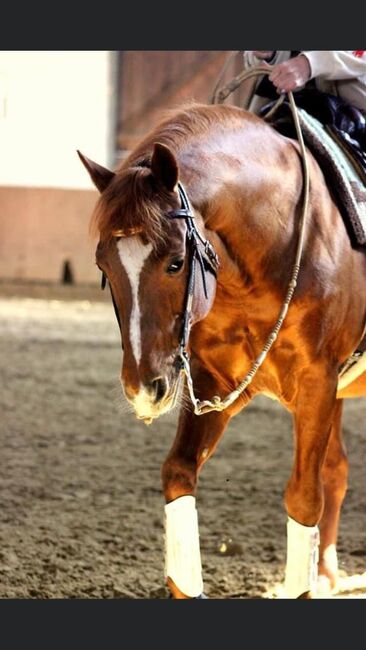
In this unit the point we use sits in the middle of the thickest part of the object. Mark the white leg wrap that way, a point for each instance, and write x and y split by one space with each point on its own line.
182 547
302 558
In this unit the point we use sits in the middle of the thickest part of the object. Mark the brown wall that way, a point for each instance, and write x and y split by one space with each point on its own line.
40 228
149 82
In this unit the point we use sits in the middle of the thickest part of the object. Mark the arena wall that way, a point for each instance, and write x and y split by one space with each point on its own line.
41 229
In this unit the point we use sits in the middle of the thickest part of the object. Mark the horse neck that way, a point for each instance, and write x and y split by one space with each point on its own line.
250 207
240 174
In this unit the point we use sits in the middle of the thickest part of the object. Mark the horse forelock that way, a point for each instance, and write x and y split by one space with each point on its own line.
130 205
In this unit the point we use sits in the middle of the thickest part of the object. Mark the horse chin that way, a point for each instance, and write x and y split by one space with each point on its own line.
154 412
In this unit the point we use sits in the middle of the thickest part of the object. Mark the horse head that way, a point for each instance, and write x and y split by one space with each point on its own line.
160 269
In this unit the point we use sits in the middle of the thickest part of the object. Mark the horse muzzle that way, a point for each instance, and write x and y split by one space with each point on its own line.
153 398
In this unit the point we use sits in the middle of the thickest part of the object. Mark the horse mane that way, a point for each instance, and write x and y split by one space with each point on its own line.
188 121
130 203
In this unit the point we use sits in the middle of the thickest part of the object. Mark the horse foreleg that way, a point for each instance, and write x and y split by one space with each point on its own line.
195 441
304 495
334 476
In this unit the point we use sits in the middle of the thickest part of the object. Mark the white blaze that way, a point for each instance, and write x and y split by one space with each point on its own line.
133 254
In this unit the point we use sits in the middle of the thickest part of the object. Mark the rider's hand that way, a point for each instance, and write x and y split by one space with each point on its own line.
291 74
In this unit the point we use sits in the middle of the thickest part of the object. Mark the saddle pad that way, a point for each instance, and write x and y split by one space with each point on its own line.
347 186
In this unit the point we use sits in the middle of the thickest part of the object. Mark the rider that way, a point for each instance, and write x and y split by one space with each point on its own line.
330 85
338 72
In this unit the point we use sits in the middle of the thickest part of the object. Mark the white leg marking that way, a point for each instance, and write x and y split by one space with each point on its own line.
133 254
182 546
302 558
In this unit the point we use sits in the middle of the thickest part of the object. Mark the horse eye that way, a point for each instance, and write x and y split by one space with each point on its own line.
175 266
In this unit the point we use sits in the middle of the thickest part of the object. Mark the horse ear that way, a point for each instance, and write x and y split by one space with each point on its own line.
164 166
101 176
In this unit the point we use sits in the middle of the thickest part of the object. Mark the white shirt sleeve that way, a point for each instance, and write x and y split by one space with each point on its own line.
335 64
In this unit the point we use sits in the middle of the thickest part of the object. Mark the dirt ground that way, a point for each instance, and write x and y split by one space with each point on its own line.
81 503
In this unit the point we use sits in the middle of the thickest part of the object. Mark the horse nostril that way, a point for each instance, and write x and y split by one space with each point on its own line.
159 388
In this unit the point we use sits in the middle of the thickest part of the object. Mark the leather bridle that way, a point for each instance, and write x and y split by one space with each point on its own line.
208 262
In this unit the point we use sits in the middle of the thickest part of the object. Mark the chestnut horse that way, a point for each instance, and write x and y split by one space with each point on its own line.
218 180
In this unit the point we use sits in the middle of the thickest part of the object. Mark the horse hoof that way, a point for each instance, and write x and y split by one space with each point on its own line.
201 596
